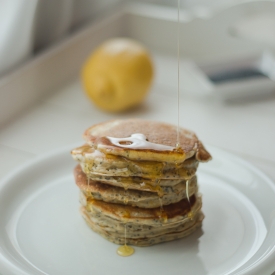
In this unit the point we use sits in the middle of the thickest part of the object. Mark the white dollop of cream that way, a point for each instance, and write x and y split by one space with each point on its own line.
138 141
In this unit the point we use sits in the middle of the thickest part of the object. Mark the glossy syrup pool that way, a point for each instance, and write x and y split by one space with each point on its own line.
125 251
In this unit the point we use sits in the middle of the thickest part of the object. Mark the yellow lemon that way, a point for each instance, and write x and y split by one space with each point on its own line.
118 75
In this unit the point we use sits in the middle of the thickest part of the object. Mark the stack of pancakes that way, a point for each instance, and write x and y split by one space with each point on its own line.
134 181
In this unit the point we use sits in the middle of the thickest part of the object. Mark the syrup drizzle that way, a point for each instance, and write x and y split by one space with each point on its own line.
138 141
187 191
161 206
125 185
125 199
163 216
148 187
178 128
178 147
125 250
190 214
88 181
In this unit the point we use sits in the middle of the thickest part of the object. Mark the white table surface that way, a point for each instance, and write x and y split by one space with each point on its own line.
246 129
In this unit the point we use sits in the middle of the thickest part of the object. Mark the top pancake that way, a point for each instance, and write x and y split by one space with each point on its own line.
156 141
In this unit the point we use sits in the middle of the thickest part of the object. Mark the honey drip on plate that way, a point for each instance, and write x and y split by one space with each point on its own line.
125 250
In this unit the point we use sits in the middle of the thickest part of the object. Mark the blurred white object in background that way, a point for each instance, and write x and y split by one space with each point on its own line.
30 25
16 31
53 21
85 10
259 27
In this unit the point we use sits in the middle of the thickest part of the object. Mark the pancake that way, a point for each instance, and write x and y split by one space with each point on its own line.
178 232
136 183
135 230
140 198
143 226
95 162
154 216
137 186
157 142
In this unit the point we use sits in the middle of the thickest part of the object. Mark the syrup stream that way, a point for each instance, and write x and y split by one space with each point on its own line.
190 215
187 191
178 128
140 141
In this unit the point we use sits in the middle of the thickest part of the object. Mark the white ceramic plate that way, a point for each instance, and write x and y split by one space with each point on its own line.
42 232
